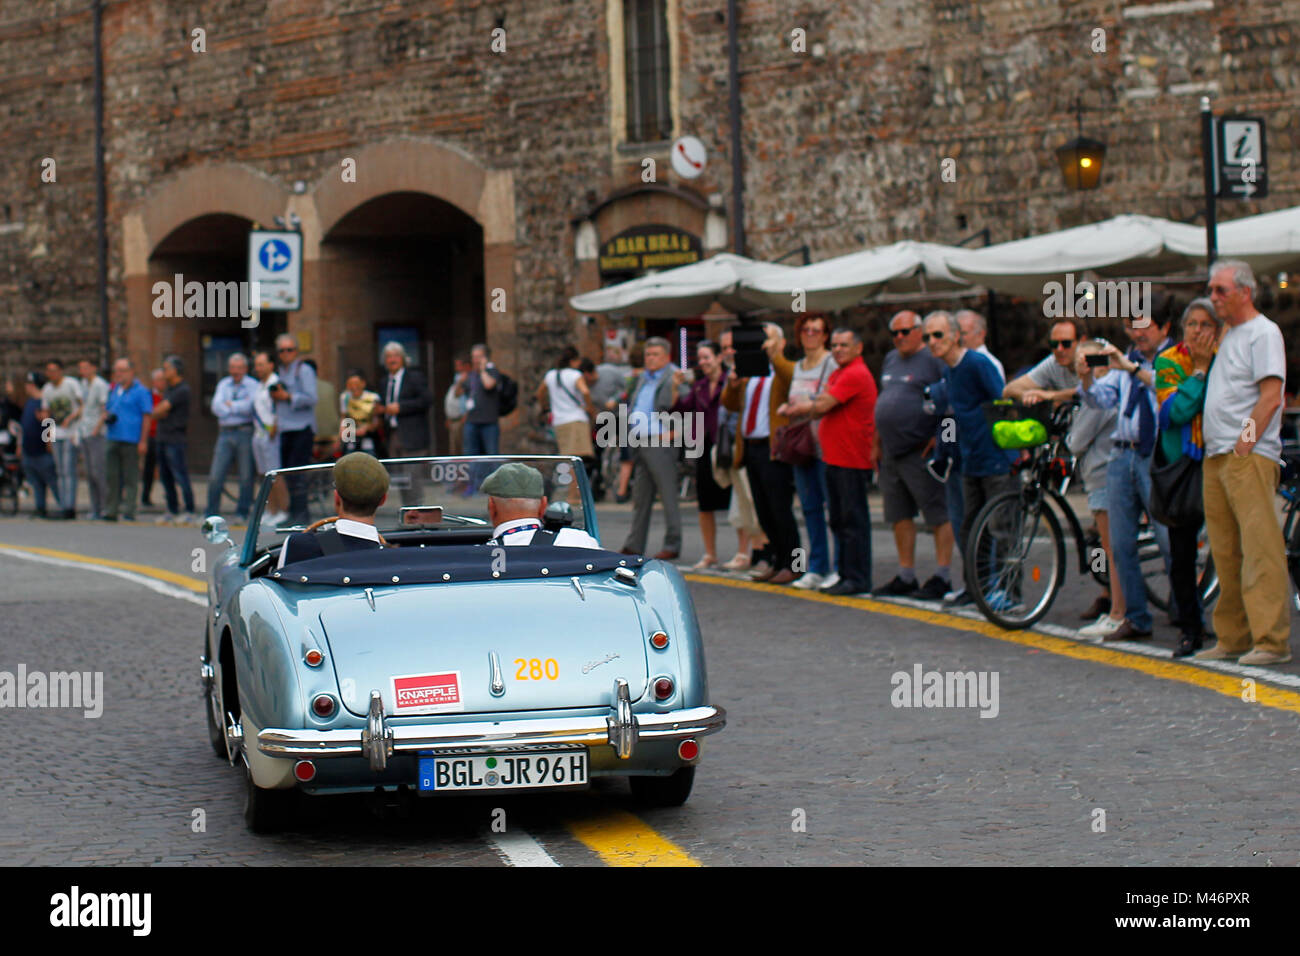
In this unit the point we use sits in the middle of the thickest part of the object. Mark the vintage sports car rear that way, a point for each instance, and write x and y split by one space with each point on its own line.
442 664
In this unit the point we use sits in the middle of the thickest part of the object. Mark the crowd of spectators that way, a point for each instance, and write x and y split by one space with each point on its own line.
1202 394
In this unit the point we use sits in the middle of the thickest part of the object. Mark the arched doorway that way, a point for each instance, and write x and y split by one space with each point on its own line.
211 248
404 266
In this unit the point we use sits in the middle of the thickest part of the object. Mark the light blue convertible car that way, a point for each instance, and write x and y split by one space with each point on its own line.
441 664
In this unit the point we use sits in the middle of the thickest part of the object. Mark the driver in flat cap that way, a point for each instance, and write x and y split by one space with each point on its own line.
516 504
360 487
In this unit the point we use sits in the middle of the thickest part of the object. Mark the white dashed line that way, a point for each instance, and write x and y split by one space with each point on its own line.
519 849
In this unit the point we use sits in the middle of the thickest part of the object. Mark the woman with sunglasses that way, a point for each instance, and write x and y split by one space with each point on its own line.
805 379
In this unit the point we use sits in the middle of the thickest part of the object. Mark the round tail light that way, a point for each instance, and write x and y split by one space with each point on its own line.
663 688
313 658
305 770
687 750
659 640
323 705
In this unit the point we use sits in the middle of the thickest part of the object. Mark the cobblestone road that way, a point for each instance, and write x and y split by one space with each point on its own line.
1184 774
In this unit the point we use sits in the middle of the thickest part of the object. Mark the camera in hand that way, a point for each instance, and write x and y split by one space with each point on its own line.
1096 360
748 340
110 418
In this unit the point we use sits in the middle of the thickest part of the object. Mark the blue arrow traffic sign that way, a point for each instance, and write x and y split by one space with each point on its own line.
274 255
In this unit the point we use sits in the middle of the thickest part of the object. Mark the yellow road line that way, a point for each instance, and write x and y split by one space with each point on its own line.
171 577
1226 684
621 839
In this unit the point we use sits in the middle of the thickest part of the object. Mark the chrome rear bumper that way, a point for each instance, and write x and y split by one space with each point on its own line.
380 740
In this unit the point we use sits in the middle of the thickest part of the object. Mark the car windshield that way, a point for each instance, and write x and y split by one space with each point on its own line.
430 498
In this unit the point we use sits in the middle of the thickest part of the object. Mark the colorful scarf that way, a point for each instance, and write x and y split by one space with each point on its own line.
1172 367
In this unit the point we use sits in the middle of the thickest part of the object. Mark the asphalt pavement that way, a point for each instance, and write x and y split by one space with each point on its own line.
1074 755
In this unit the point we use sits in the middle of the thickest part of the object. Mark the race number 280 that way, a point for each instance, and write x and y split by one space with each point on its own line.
535 669
449 471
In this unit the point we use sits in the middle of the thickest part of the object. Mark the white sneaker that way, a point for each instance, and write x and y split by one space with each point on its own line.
274 519
829 581
188 518
809 582
165 518
1101 628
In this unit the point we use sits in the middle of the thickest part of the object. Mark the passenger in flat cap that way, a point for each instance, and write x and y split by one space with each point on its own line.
360 487
516 504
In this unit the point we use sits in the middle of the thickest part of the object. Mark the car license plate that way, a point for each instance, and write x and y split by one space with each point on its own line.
554 768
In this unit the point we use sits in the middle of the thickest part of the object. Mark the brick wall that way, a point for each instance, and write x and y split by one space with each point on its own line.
842 144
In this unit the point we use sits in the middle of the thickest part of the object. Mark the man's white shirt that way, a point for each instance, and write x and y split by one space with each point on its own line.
566 538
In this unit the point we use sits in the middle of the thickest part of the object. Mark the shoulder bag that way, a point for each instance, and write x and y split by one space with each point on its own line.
1176 493
796 444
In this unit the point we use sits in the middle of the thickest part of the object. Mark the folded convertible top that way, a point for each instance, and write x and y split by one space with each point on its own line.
451 564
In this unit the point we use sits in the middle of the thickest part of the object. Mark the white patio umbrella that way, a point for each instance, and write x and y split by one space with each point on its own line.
1123 246
684 291
1270 242
846 280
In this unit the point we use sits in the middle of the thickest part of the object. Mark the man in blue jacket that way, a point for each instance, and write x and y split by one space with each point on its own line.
970 381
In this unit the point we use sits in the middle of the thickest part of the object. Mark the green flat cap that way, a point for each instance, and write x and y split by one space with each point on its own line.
514 480
360 479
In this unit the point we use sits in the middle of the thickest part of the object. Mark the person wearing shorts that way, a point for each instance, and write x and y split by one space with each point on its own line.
565 389
904 437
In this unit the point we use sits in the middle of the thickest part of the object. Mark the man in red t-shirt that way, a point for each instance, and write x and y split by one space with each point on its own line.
847 408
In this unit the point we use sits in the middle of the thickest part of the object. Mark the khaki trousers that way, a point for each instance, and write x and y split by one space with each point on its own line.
1246 541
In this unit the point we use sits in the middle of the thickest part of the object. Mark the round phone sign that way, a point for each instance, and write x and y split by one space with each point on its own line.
689 157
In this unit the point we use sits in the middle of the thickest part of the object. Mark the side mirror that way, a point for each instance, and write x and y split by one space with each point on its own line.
559 514
215 530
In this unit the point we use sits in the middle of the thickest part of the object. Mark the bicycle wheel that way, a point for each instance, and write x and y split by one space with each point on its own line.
1014 560
1293 552
1092 547
1156 577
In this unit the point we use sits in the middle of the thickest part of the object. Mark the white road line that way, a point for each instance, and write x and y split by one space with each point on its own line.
1134 647
160 587
519 849
516 848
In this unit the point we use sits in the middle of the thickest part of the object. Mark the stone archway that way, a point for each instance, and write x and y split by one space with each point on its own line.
221 189
446 176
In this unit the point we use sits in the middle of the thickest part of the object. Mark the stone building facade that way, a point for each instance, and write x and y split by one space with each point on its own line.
497 146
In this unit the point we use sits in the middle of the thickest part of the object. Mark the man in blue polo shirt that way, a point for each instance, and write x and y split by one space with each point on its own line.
126 414
970 380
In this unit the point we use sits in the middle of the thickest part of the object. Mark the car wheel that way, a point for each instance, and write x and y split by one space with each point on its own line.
266 811
670 791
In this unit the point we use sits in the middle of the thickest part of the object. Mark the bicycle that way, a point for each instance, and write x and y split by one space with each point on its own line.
1289 490
1015 543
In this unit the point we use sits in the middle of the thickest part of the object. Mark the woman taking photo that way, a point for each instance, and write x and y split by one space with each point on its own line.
806 379
1180 373
703 399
